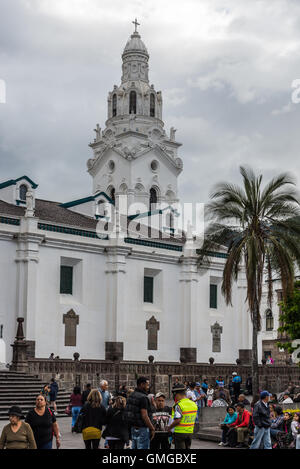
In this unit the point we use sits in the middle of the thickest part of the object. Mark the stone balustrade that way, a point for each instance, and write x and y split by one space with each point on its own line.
162 375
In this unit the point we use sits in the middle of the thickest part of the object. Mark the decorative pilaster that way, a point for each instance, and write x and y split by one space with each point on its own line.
189 291
116 297
27 258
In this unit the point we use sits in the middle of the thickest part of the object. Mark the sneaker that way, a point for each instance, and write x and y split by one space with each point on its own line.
225 444
221 443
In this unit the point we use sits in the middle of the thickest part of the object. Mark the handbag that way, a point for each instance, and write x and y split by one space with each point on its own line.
68 410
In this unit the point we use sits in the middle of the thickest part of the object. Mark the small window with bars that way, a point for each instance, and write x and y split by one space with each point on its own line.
132 102
148 289
152 105
213 300
114 105
66 280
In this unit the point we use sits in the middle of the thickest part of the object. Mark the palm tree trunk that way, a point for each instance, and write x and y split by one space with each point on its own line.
255 377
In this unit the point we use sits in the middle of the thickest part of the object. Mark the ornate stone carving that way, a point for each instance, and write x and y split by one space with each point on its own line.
179 163
29 203
90 163
216 330
131 153
152 327
98 133
71 320
19 361
172 133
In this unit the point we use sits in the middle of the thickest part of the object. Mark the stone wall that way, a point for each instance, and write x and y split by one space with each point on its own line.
161 375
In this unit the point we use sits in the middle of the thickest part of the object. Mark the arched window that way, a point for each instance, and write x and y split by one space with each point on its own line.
152 105
112 194
114 105
23 192
153 198
269 320
132 102
170 220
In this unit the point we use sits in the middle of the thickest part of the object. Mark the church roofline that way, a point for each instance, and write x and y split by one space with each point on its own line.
153 212
12 182
85 200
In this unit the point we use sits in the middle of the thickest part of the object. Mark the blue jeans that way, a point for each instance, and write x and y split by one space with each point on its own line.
46 445
261 435
140 438
75 413
274 431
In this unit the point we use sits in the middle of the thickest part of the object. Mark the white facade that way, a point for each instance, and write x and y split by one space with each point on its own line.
133 156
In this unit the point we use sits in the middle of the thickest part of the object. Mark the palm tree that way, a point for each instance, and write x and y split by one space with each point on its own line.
260 227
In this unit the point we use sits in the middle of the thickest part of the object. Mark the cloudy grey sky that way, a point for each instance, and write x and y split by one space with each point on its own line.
225 68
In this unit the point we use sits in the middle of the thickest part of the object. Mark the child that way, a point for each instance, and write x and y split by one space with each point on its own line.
210 394
295 428
284 437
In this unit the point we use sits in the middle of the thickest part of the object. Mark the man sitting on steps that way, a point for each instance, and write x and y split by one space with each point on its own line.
239 429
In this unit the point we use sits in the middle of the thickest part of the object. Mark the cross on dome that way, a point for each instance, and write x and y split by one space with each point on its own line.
136 25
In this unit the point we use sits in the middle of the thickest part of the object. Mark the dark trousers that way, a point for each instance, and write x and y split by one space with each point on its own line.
236 392
182 441
160 442
91 444
225 430
116 444
232 437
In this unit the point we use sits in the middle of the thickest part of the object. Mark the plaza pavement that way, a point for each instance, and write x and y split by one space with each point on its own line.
74 441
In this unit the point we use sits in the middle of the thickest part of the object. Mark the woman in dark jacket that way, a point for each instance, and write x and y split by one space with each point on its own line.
93 418
117 430
284 437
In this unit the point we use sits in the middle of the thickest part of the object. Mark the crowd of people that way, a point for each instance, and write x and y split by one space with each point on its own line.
138 419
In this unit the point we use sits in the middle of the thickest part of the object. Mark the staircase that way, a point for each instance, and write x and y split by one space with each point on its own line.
21 389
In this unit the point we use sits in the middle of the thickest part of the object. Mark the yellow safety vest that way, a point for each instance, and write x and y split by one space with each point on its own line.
189 413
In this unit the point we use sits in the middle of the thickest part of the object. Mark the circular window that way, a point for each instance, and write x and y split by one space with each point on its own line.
154 165
111 166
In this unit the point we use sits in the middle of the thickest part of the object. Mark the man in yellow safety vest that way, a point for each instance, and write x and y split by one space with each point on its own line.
184 413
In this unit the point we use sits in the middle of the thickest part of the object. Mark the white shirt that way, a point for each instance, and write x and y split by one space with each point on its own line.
191 395
287 401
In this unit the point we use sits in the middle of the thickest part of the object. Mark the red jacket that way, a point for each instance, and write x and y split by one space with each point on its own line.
245 420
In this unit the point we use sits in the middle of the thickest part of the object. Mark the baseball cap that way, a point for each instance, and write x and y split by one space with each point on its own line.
264 394
198 384
234 373
159 394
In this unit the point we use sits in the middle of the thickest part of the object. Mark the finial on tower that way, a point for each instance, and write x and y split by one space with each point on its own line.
136 25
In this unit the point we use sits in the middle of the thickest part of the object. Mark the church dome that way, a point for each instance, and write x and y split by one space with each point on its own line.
135 45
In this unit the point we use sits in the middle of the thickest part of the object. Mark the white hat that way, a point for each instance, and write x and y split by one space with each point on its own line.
234 373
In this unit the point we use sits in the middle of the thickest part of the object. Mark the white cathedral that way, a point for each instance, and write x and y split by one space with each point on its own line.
106 276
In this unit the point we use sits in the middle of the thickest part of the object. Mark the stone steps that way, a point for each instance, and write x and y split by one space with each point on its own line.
21 389
208 435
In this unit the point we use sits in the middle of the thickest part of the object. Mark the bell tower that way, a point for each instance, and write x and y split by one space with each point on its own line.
133 155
